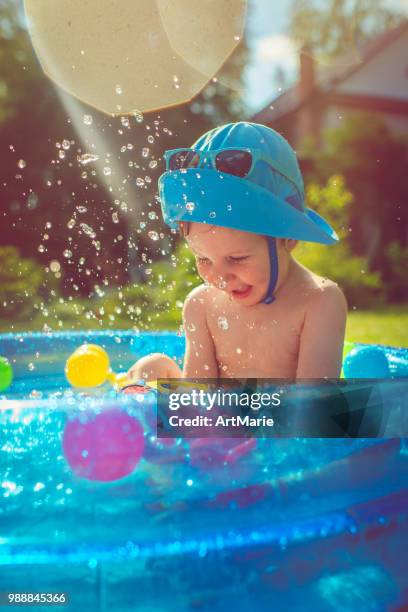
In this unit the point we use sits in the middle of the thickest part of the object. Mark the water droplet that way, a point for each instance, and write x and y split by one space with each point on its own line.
145 151
152 215
67 253
119 90
125 121
55 266
35 394
71 223
223 323
138 116
150 139
107 171
61 154
21 163
140 182
81 209
66 144
212 215
153 235
190 206
191 327
88 119
229 207
176 82
239 350
153 163
115 217
31 366
41 248
87 229
87 158
32 201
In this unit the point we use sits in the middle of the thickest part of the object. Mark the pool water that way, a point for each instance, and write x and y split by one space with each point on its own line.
289 522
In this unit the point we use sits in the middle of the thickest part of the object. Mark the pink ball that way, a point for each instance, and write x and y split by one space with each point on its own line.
106 447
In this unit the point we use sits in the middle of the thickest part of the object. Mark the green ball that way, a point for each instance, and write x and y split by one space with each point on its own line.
6 374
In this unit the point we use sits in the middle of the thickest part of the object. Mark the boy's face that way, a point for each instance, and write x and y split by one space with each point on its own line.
234 261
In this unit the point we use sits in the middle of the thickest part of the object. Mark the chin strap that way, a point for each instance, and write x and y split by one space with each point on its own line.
273 260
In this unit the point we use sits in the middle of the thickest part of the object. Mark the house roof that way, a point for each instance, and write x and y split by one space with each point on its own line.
328 77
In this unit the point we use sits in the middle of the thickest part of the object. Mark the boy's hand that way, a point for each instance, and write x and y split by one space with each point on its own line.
154 366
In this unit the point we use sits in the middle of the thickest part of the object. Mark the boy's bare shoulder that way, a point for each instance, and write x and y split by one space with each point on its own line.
196 302
322 293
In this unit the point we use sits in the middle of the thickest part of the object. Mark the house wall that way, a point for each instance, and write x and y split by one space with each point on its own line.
385 75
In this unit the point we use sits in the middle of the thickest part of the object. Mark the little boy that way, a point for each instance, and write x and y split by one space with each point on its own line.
238 198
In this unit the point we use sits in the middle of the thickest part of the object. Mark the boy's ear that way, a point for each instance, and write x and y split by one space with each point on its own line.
290 244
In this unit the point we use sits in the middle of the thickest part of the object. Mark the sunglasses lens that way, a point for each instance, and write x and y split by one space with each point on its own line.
237 163
183 159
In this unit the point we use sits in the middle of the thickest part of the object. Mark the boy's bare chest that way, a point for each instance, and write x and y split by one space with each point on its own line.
258 344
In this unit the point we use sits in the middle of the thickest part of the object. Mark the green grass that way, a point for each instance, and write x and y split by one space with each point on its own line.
388 325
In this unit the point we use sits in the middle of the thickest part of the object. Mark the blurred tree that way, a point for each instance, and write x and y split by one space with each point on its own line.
21 283
361 286
333 27
373 163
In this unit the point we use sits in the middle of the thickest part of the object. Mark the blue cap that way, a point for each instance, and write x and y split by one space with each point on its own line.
270 201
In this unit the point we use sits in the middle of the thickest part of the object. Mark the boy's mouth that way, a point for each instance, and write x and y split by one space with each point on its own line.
242 293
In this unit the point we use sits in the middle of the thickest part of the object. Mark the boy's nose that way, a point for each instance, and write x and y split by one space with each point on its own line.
221 278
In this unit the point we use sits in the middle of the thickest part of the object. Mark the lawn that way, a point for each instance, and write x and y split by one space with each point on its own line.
388 325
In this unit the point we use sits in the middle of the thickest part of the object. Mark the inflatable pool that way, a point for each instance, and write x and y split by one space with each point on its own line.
189 524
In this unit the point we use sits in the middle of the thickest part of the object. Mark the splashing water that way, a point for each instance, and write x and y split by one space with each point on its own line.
223 323
87 229
87 158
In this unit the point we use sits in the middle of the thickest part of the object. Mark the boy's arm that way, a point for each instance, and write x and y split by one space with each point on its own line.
322 336
199 360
